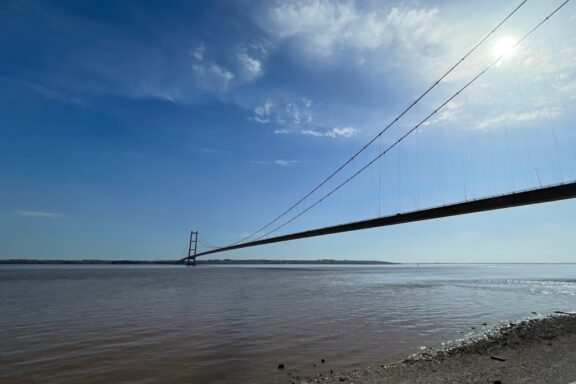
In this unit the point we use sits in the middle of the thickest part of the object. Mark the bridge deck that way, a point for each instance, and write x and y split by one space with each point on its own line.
532 196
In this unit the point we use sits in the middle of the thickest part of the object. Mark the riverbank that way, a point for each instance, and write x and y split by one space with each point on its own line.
198 262
535 351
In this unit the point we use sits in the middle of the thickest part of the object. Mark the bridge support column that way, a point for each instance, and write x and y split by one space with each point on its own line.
192 247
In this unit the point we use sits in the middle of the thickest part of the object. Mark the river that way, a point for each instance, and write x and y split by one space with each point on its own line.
225 324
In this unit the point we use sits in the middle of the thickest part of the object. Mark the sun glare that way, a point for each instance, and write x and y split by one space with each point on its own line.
503 47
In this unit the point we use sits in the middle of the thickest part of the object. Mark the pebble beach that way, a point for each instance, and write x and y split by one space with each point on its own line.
539 351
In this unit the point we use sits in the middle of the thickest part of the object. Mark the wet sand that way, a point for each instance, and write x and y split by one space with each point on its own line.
535 351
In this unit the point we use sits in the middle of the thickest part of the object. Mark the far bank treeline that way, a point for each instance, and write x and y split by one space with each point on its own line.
199 262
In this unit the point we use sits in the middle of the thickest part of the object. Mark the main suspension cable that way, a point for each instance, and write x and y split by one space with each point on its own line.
480 74
398 117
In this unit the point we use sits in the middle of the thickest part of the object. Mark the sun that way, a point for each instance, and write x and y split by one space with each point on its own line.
504 47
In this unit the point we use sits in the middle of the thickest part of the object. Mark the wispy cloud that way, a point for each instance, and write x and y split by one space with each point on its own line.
519 117
48 93
296 117
39 214
450 113
324 27
209 74
287 115
219 73
249 65
263 113
281 163
311 132
285 163
344 132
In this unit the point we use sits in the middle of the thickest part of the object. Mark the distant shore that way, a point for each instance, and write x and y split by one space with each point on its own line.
199 262
535 351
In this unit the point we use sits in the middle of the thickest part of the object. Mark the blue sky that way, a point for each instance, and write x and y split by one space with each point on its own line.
123 125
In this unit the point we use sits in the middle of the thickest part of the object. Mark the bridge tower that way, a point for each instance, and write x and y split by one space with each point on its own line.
192 247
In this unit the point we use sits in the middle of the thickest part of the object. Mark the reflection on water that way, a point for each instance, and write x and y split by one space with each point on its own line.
236 324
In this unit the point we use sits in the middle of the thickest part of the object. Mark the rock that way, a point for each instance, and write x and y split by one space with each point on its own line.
497 358
322 361
280 366
497 382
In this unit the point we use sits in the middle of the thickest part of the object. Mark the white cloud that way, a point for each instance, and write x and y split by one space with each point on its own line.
38 214
344 132
310 132
295 117
569 88
210 75
198 52
249 65
450 113
262 113
221 75
281 163
285 163
285 114
548 112
320 21
298 113
323 27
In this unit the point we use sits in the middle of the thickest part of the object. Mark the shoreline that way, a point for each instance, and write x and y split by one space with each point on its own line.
541 350
199 262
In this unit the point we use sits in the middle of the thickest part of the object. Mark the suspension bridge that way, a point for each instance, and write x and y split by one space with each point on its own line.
519 194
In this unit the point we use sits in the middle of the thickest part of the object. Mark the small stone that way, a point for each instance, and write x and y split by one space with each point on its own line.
323 361
497 382
484 323
280 366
